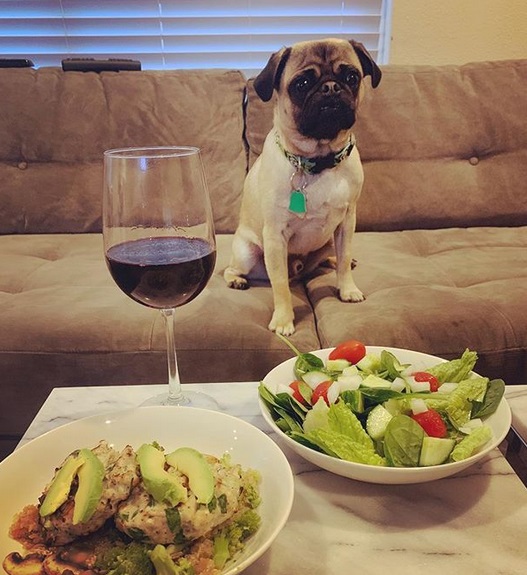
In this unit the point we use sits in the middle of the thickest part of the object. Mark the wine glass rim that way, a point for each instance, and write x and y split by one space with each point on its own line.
152 152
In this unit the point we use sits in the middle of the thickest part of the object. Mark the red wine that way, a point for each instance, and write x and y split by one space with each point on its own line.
162 272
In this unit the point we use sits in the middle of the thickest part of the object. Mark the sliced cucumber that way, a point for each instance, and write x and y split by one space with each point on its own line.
349 382
376 381
377 421
337 364
435 450
351 370
369 363
313 378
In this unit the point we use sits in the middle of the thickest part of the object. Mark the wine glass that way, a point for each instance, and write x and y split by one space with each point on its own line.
159 240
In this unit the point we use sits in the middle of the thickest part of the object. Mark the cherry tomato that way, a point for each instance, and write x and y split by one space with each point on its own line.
321 391
432 423
296 392
351 350
425 376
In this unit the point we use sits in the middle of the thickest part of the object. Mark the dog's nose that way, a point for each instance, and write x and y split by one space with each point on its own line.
329 88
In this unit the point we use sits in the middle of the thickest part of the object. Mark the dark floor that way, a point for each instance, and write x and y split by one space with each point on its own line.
7 446
516 453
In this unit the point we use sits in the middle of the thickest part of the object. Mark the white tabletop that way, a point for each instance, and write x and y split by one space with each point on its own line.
472 523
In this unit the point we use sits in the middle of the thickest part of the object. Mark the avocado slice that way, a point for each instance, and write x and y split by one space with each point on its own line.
158 482
89 491
60 486
193 464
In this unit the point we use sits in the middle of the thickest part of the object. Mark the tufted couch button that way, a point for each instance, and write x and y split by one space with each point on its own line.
22 165
474 161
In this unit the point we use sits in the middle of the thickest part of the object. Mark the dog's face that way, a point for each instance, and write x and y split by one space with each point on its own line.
318 84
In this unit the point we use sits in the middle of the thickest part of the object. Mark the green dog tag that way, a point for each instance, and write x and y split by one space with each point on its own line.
297 202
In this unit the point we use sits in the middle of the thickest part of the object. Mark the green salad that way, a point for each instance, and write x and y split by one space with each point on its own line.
370 408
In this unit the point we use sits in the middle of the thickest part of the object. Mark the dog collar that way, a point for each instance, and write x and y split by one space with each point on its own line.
318 163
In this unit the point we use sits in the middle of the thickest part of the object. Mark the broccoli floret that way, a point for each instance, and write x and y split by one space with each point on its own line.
230 539
251 488
131 559
250 482
165 565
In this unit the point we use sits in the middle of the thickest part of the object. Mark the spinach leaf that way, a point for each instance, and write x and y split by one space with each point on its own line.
390 368
305 361
354 399
493 395
403 441
292 424
174 524
283 407
379 394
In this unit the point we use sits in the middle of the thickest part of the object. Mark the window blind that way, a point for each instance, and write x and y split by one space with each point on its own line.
168 34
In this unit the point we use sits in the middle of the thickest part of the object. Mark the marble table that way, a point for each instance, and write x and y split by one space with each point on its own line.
472 523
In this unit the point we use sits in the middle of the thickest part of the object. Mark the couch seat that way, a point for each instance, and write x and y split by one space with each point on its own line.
65 323
436 291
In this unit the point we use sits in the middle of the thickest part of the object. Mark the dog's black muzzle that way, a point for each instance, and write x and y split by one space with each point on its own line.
327 112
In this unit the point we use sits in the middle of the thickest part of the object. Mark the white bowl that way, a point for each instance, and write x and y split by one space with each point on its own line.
499 422
24 474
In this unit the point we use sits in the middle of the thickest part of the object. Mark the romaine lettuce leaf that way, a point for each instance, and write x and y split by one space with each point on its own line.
317 418
456 370
343 421
460 401
471 443
343 447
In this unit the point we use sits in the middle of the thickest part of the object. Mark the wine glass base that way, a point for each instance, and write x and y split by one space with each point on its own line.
189 399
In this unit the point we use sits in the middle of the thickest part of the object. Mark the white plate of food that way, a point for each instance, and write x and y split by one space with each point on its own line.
384 466
27 473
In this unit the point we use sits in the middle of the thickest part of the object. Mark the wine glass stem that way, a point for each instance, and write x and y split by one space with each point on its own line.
175 394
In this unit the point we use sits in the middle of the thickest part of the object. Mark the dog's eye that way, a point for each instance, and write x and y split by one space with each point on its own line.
352 78
302 84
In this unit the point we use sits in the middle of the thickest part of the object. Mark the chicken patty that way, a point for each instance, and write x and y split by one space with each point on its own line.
141 517
120 477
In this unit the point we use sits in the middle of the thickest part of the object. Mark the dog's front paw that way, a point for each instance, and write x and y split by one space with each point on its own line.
282 324
351 295
234 280
238 283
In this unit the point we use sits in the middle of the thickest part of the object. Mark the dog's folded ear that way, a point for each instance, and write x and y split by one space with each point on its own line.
369 67
269 78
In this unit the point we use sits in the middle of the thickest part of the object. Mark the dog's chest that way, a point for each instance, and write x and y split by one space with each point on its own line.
327 203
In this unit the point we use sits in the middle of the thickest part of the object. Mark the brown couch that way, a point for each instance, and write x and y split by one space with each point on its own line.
441 248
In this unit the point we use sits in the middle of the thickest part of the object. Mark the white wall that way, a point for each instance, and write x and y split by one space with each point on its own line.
457 31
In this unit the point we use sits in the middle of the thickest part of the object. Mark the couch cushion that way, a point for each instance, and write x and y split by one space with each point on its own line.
442 146
64 322
436 291
56 125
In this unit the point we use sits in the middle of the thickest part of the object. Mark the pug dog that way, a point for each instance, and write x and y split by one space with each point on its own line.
299 199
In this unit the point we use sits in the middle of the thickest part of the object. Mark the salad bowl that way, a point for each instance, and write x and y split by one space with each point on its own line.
25 472
283 374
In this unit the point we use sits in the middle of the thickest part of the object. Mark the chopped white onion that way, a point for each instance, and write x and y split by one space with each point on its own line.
398 384
333 392
418 405
417 386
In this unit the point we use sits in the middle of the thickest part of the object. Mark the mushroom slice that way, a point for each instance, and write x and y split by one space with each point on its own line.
31 564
